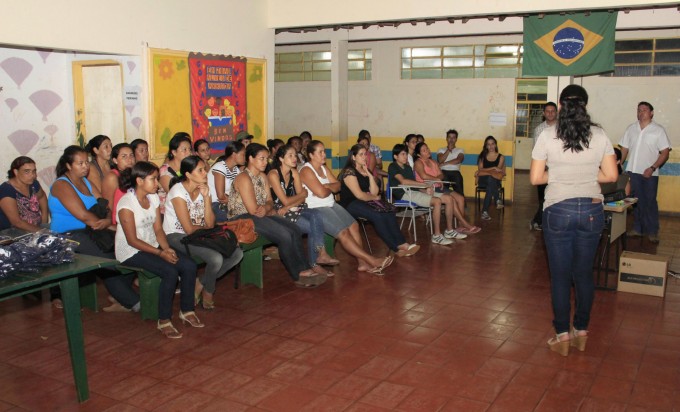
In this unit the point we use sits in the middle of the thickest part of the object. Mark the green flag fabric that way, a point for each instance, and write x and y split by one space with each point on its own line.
569 45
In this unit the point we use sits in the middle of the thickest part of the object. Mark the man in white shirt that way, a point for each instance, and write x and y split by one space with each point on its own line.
646 146
450 158
549 119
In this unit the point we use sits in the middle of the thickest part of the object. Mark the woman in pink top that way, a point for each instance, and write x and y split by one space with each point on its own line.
428 169
122 157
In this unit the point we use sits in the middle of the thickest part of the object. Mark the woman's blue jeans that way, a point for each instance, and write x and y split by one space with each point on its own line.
492 186
184 271
310 223
571 230
385 224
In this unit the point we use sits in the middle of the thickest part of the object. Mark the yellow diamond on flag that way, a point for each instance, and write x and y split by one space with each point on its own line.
568 42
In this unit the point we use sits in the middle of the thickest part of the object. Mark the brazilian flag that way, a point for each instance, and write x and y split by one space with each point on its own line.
569 45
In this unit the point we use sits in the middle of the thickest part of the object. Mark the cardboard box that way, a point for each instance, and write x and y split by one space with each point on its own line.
643 273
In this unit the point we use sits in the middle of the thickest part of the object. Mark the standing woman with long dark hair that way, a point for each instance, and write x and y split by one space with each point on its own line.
579 156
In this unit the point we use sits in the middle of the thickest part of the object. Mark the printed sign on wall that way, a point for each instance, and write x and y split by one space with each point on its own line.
218 98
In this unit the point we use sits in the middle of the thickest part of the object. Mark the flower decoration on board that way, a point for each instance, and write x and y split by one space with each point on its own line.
165 69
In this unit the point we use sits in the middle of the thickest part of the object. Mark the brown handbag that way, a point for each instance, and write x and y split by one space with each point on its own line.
243 228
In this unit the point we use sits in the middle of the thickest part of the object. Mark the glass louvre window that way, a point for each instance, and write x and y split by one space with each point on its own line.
646 57
316 66
469 61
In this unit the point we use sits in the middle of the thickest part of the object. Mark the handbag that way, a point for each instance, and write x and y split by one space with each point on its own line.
294 213
381 206
243 228
105 239
219 239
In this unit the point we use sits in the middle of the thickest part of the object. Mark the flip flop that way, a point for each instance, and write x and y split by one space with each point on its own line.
378 270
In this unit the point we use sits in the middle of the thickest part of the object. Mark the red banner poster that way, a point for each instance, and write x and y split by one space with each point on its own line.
218 98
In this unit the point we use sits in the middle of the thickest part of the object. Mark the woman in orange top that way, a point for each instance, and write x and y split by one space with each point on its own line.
428 169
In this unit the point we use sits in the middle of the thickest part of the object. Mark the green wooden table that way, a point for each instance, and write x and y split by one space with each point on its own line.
66 276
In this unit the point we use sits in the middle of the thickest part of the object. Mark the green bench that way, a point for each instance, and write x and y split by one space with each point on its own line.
149 284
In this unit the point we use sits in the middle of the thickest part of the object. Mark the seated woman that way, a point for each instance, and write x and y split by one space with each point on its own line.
222 175
288 196
202 150
372 162
122 158
141 150
23 207
250 197
99 148
491 169
427 169
186 211
70 199
23 203
357 188
141 243
337 222
178 148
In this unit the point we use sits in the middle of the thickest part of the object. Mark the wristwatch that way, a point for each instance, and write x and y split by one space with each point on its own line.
653 168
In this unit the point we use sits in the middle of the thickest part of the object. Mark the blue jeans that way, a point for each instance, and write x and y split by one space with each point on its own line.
286 236
571 230
216 265
311 224
220 214
385 224
117 284
646 213
457 178
184 270
492 185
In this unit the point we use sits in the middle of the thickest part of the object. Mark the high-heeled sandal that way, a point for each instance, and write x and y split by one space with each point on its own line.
168 330
578 341
191 318
560 346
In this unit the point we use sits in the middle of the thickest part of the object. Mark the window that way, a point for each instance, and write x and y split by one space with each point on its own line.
647 57
532 94
316 66
470 61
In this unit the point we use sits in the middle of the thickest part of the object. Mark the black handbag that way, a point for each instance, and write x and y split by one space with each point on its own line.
381 206
219 239
105 239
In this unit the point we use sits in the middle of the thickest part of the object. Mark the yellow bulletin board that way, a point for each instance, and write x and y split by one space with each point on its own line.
170 105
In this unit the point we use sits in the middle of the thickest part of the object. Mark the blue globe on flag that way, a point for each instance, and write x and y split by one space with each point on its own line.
568 43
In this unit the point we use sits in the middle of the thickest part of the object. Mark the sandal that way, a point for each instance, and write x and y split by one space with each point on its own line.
311 281
168 330
191 318
560 346
330 262
321 271
578 341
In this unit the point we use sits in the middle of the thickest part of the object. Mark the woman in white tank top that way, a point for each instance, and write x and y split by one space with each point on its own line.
322 186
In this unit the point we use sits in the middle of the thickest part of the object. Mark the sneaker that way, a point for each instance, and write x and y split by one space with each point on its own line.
634 233
452 234
485 216
441 240
499 204
654 238
535 226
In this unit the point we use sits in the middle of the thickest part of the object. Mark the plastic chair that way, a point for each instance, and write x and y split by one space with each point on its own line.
411 209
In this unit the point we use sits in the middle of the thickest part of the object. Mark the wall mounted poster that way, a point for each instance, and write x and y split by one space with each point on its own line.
218 98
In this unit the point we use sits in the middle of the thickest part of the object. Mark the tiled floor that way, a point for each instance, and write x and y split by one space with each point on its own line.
459 328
